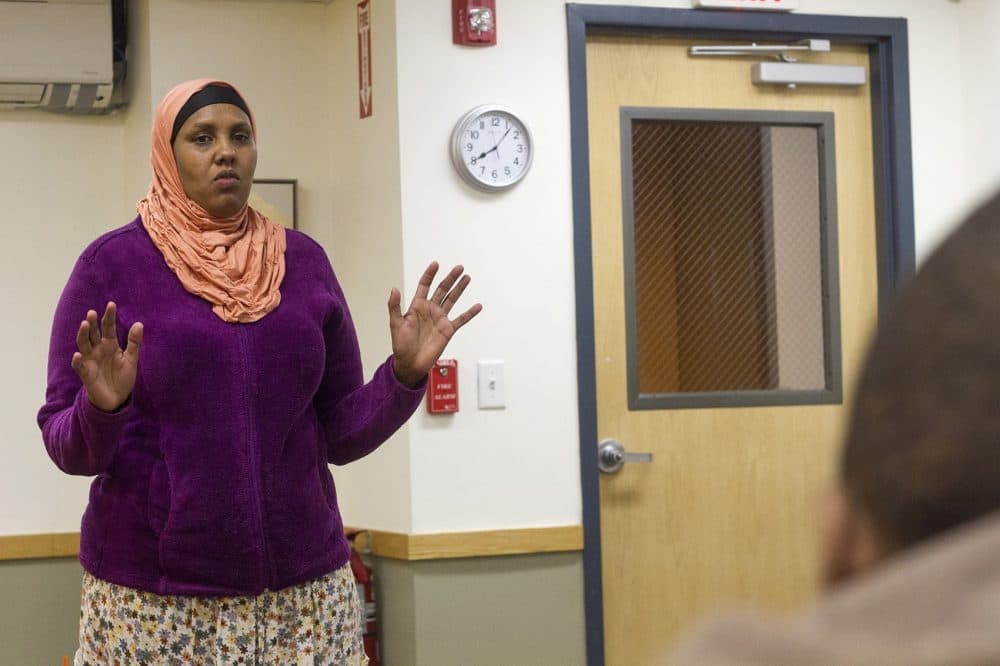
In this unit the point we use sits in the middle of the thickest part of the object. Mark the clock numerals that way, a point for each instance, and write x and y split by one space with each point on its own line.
491 148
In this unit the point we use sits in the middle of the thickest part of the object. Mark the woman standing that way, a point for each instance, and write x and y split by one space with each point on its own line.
212 534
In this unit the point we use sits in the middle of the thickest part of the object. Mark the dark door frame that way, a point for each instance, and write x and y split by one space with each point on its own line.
890 93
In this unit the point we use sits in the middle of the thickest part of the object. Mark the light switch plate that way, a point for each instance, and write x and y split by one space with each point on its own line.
491 385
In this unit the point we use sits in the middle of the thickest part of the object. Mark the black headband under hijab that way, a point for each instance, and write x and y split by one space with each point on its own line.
210 94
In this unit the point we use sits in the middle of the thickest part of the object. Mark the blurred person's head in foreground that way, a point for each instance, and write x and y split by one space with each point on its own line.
922 454
913 529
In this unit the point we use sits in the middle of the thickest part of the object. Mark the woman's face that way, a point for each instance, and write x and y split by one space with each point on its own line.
216 157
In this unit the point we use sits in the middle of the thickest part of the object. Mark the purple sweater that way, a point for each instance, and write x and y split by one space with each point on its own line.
213 478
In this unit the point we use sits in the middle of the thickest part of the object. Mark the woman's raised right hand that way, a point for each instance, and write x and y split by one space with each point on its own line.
108 372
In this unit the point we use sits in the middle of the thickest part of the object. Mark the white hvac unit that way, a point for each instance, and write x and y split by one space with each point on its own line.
56 55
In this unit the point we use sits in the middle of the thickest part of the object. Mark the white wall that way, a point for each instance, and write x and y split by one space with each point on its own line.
520 467
382 197
517 467
980 98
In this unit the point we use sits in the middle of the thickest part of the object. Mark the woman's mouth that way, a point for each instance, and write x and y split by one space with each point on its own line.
227 179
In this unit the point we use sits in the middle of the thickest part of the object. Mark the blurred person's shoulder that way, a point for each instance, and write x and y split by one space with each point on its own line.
937 603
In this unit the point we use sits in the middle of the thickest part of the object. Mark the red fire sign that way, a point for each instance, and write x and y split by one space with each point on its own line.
364 58
442 387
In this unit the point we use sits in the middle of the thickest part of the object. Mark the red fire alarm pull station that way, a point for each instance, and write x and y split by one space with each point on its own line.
442 387
474 22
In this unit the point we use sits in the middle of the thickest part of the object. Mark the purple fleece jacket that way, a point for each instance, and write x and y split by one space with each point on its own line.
213 478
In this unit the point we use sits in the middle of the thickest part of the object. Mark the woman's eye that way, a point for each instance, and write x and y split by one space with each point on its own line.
203 138
243 137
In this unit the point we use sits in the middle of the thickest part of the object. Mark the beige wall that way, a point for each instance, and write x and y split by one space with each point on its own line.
525 610
40 613
381 196
61 184
65 180
366 240
274 53
383 199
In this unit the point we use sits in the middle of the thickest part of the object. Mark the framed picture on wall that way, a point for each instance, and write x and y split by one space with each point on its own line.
275 198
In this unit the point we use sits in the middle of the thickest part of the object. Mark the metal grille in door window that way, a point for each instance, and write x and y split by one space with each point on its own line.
731 272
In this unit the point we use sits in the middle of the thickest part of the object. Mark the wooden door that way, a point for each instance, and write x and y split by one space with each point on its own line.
727 511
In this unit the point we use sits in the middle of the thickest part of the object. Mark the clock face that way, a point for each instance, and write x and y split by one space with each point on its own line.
491 148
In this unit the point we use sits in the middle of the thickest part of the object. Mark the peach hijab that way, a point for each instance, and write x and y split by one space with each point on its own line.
235 263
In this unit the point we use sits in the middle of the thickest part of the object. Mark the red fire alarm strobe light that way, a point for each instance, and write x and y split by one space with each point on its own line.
474 22
442 387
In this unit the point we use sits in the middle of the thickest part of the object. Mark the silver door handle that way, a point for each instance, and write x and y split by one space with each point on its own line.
611 456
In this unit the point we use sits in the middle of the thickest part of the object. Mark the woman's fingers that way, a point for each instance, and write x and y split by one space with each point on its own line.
93 337
452 297
464 318
424 285
448 292
93 329
441 293
83 337
395 312
134 342
77 363
109 324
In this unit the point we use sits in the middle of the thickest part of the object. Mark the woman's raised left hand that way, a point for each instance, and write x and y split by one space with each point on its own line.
420 335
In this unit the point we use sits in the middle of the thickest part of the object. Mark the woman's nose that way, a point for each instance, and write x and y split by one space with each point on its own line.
227 151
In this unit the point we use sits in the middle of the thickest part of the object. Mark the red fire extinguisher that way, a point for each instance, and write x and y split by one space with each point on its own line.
364 578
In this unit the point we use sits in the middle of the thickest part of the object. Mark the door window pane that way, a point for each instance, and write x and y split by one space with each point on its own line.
730 280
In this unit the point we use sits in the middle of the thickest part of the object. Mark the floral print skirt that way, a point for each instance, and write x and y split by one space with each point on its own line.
318 622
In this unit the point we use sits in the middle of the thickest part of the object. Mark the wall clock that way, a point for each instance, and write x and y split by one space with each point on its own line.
491 148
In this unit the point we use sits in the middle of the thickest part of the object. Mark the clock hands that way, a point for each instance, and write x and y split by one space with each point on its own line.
483 131
494 148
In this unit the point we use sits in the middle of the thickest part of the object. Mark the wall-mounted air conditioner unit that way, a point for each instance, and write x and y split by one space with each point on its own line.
56 55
